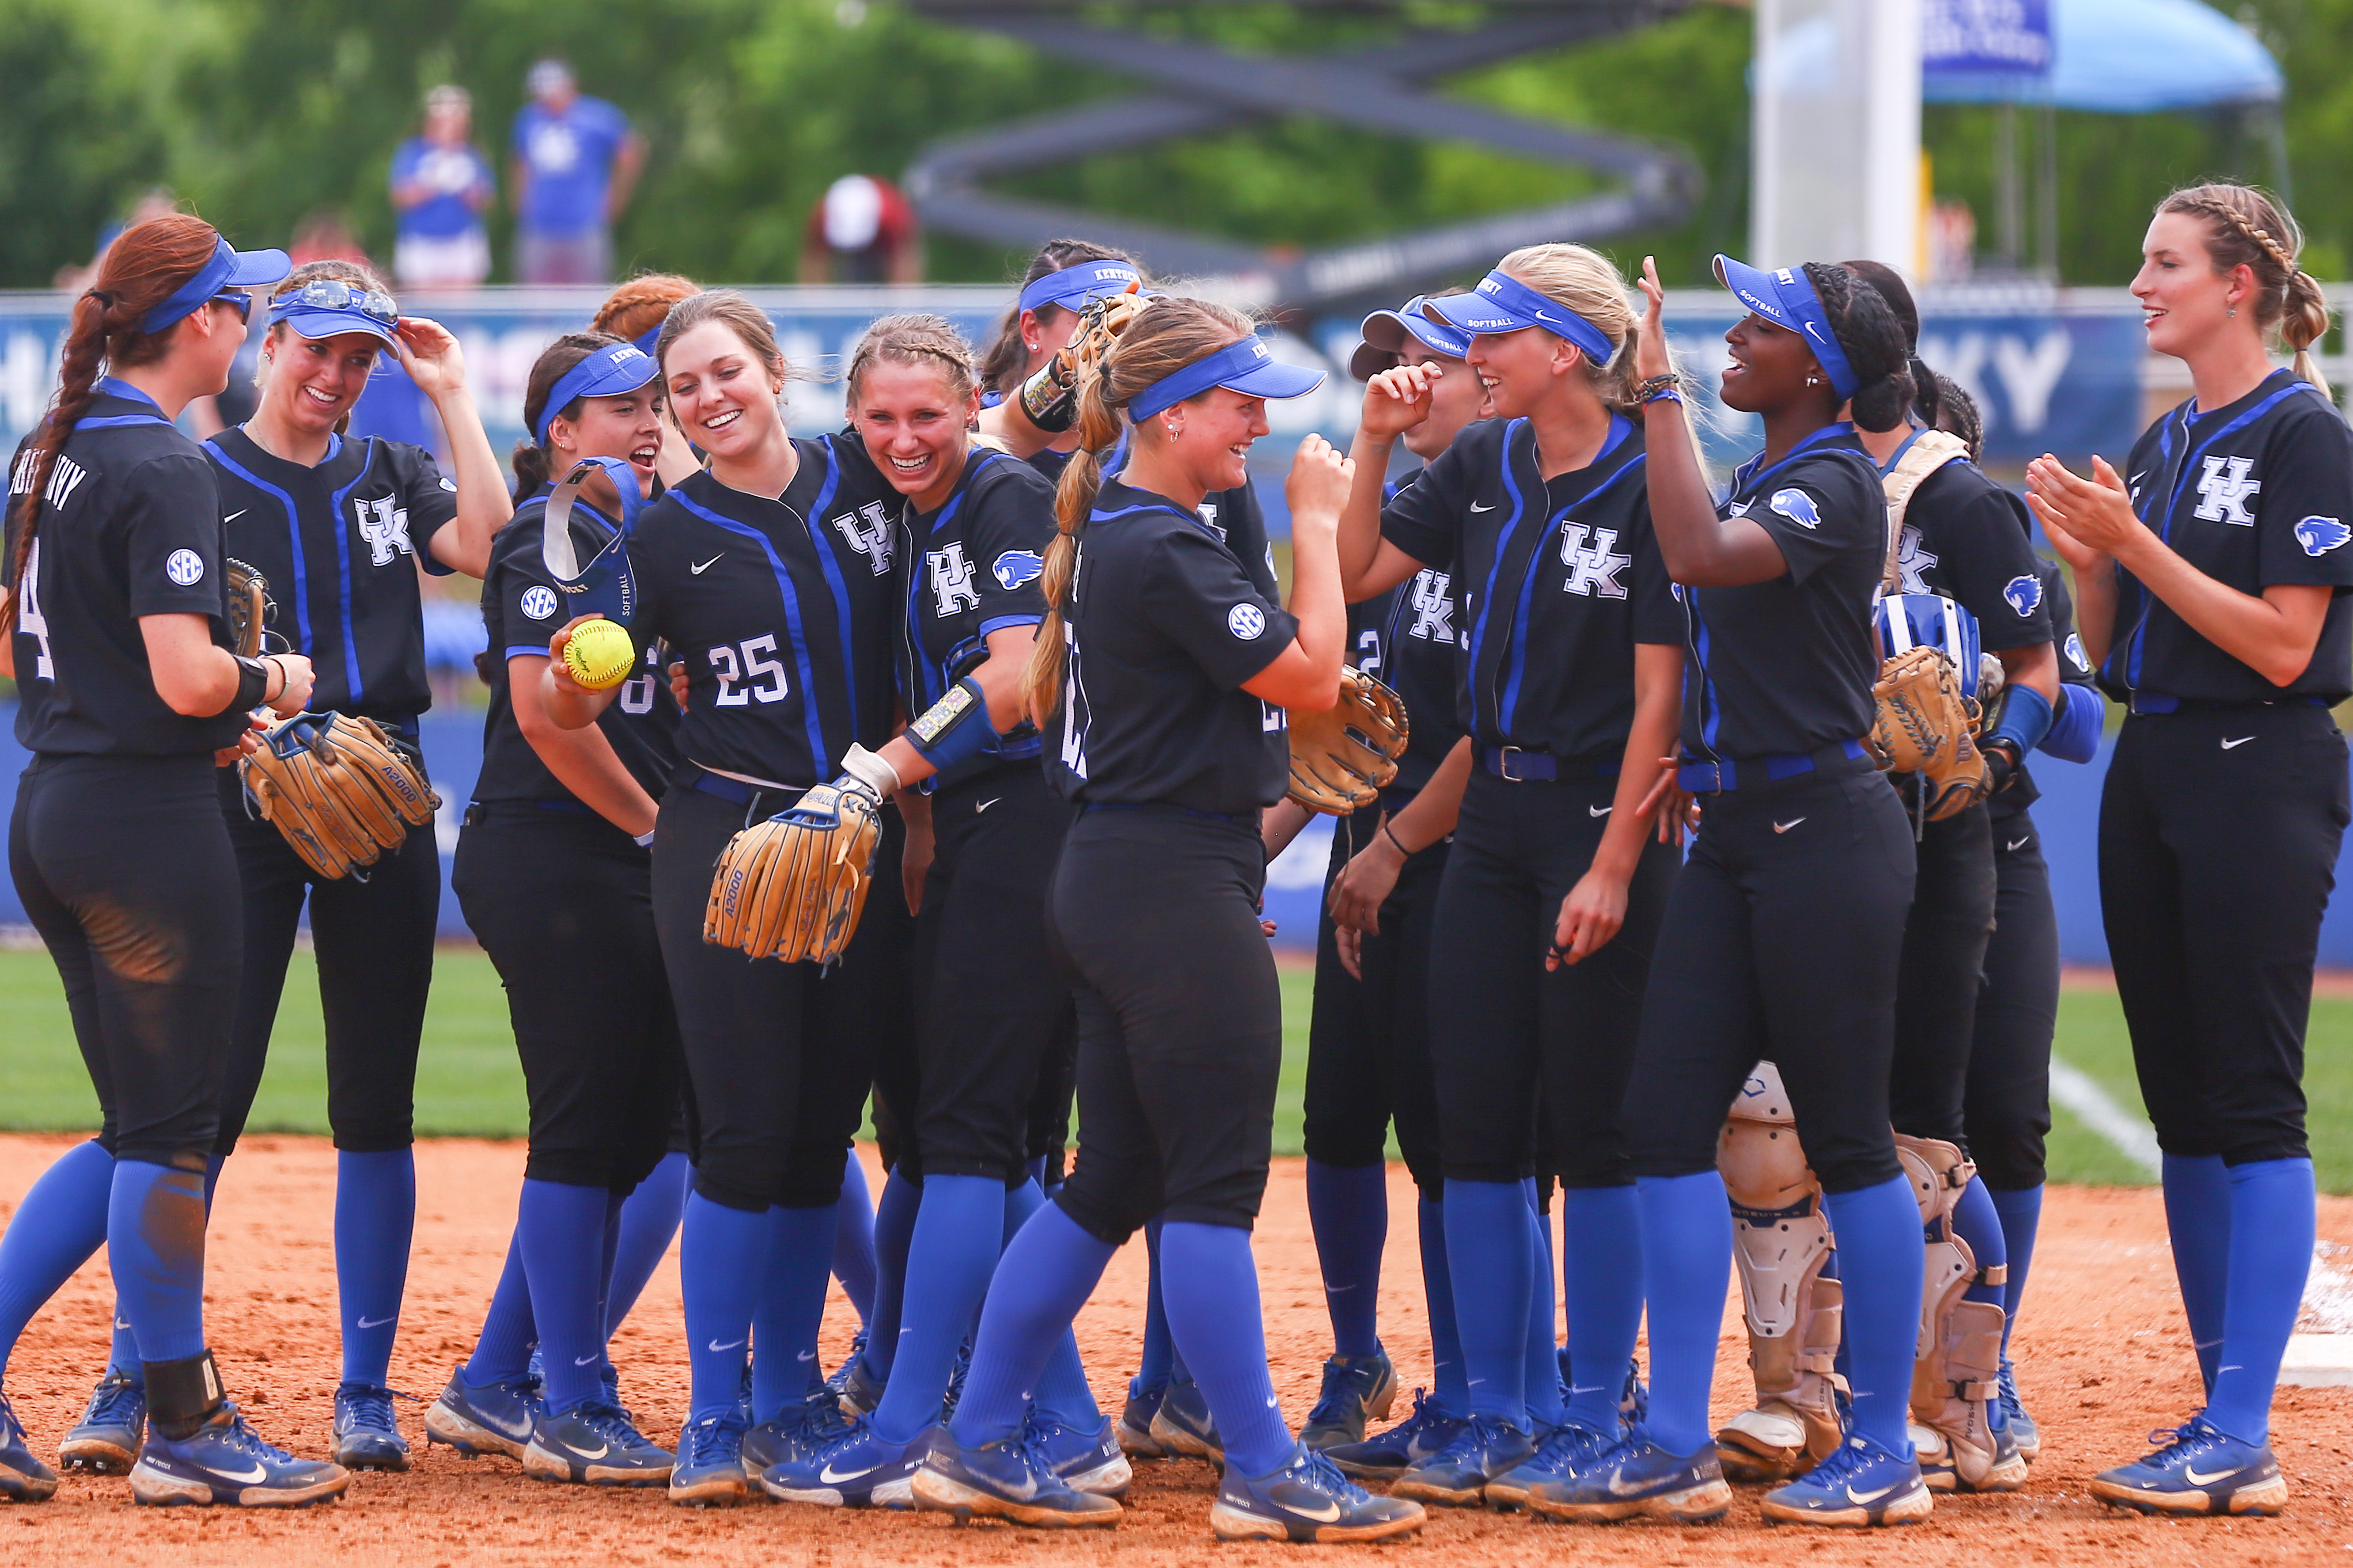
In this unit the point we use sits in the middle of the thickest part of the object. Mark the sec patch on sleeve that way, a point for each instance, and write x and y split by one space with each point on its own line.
1247 622
186 568
538 602
2319 535
2022 595
1797 507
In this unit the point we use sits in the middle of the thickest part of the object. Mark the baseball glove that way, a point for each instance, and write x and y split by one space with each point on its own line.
1924 726
793 886
340 789
1341 757
249 609
1050 397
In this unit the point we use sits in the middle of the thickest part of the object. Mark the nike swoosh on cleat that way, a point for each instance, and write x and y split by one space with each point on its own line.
699 571
602 1449
259 1473
2195 1480
378 1322
1328 1514
1866 1499
1617 1488
833 1479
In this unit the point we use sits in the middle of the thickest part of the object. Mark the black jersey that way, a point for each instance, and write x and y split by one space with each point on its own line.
1235 516
1409 640
340 544
520 610
2074 670
2258 492
1165 626
970 569
1555 581
1966 537
127 527
1785 667
782 609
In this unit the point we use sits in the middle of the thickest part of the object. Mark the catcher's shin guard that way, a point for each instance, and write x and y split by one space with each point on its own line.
1956 1375
1781 1243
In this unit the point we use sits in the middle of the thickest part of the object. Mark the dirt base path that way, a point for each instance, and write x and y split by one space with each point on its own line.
2102 1352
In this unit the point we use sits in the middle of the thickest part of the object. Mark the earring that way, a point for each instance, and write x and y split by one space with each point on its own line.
1175 427
1813 381
2234 312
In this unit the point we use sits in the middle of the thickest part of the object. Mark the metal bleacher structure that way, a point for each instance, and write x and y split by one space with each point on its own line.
1197 87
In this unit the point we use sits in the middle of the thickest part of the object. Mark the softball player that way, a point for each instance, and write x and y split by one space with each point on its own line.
338 529
553 873
128 696
1572 663
771 572
1167 729
1783 936
2210 578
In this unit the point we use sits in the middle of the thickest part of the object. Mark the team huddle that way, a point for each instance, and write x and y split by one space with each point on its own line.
1684 883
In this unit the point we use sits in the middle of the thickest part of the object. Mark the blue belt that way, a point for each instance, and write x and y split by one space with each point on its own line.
1520 765
1737 773
2164 703
736 792
1250 820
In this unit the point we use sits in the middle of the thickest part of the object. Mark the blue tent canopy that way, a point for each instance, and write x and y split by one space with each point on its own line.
2127 56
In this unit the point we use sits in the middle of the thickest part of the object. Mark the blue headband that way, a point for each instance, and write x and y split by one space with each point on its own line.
228 268
1785 297
1080 281
1246 367
615 368
650 337
1501 303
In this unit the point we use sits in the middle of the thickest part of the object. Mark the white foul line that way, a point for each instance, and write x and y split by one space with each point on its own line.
2132 1135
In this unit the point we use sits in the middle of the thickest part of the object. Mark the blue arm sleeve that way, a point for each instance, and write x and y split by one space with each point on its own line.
2026 718
2074 733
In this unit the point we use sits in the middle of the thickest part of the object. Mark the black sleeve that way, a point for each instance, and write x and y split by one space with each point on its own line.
1992 565
1658 614
1005 538
1424 519
169 516
520 600
430 496
1198 595
2303 513
1815 518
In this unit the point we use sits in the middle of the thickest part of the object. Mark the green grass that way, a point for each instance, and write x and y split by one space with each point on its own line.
468 1083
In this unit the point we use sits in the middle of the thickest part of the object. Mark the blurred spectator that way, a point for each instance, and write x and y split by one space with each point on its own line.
154 201
575 163
441 185
862 231
326 235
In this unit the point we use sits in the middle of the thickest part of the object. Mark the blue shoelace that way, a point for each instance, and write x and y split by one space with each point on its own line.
366 1409
117 1402
1332 1399
713 1440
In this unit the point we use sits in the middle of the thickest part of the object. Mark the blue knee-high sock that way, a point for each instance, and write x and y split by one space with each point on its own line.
1976 1222
853 1238
2022 1216
1213 1311
1452 1390
1043 1279
954 1253
1157 1364
894 1227
375 1215
122 1354
561 1228
1348 1205
2271 1228
649 1221
2197 1221
56 1230
1880 1264
791 1309
1601 1269
1062 1392
155 1243
1490 1249
613 1204
503 1353
723 1268
1540 1381
1686 1262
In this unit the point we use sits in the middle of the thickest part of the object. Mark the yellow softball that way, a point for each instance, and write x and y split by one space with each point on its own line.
599 654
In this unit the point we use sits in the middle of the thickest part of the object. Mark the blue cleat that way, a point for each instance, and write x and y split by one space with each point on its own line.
1086 1460
1562 1449
1355 1392
22 1478
1636 1478
105 1441
1136 1439
1307 1500
801 1430
839 1383
2197 1469
1005 1480
862 1391
709 1470
367 1436
1412 1441
1860 1485
594 1444
1457 1473
1183 1425
496 1418
225 1461
2014 1417
956 1377
856 1469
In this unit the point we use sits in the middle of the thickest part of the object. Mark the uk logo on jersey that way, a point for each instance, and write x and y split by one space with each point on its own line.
2225 491
1209 511
538 602
1015 567
951 574
2022 595
868 532
1797 507
2319 535
385 525
1593 571
1432 599
1913 562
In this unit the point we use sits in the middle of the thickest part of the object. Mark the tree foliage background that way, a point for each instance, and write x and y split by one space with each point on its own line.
261 112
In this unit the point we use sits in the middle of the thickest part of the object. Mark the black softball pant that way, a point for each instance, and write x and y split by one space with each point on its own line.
372 931
1780 943
563 902
2218 834
1937 980
2007 1107
125 870
1180 1018
1369 1040
1507 1035
779 1056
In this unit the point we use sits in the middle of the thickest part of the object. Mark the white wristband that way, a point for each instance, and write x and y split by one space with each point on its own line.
872 771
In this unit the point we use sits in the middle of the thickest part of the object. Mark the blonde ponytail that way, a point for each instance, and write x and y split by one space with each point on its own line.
2248 227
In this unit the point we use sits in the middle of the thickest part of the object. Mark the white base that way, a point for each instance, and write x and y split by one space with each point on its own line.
2318 1360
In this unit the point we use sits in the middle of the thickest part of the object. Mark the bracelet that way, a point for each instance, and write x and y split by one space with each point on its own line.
272 661
1391 833
1664 394
1651 387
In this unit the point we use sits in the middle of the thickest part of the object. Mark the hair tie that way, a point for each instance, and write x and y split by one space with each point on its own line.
105 299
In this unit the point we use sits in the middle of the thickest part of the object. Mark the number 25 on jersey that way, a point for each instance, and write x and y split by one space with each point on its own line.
749 669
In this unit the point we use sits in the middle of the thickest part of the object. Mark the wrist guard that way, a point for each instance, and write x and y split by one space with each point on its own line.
252 681
956 736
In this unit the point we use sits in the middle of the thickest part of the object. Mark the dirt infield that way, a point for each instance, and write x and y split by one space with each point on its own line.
2102 1352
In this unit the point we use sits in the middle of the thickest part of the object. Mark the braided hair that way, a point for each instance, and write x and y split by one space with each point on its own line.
1874 342
2248 227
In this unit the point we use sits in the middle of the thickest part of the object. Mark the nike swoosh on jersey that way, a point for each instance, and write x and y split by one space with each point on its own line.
1476 507
2234 745
237 513
1785 827
2014 843
1599 810
985 805
698 571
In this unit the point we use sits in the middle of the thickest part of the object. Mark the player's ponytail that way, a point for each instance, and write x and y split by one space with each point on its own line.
2248 227
1873 339
533 463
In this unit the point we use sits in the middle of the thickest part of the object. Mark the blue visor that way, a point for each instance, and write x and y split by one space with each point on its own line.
1390 335
1248 367
1075 285
614 369
1786 299
228 268
1501 303
650 337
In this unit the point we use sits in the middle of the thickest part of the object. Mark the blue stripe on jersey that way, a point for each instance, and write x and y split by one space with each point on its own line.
1001 621
819 758
926 672
1518 654
1712 725
1743 483
1503 547
832 569
293 535
344 557
116 421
